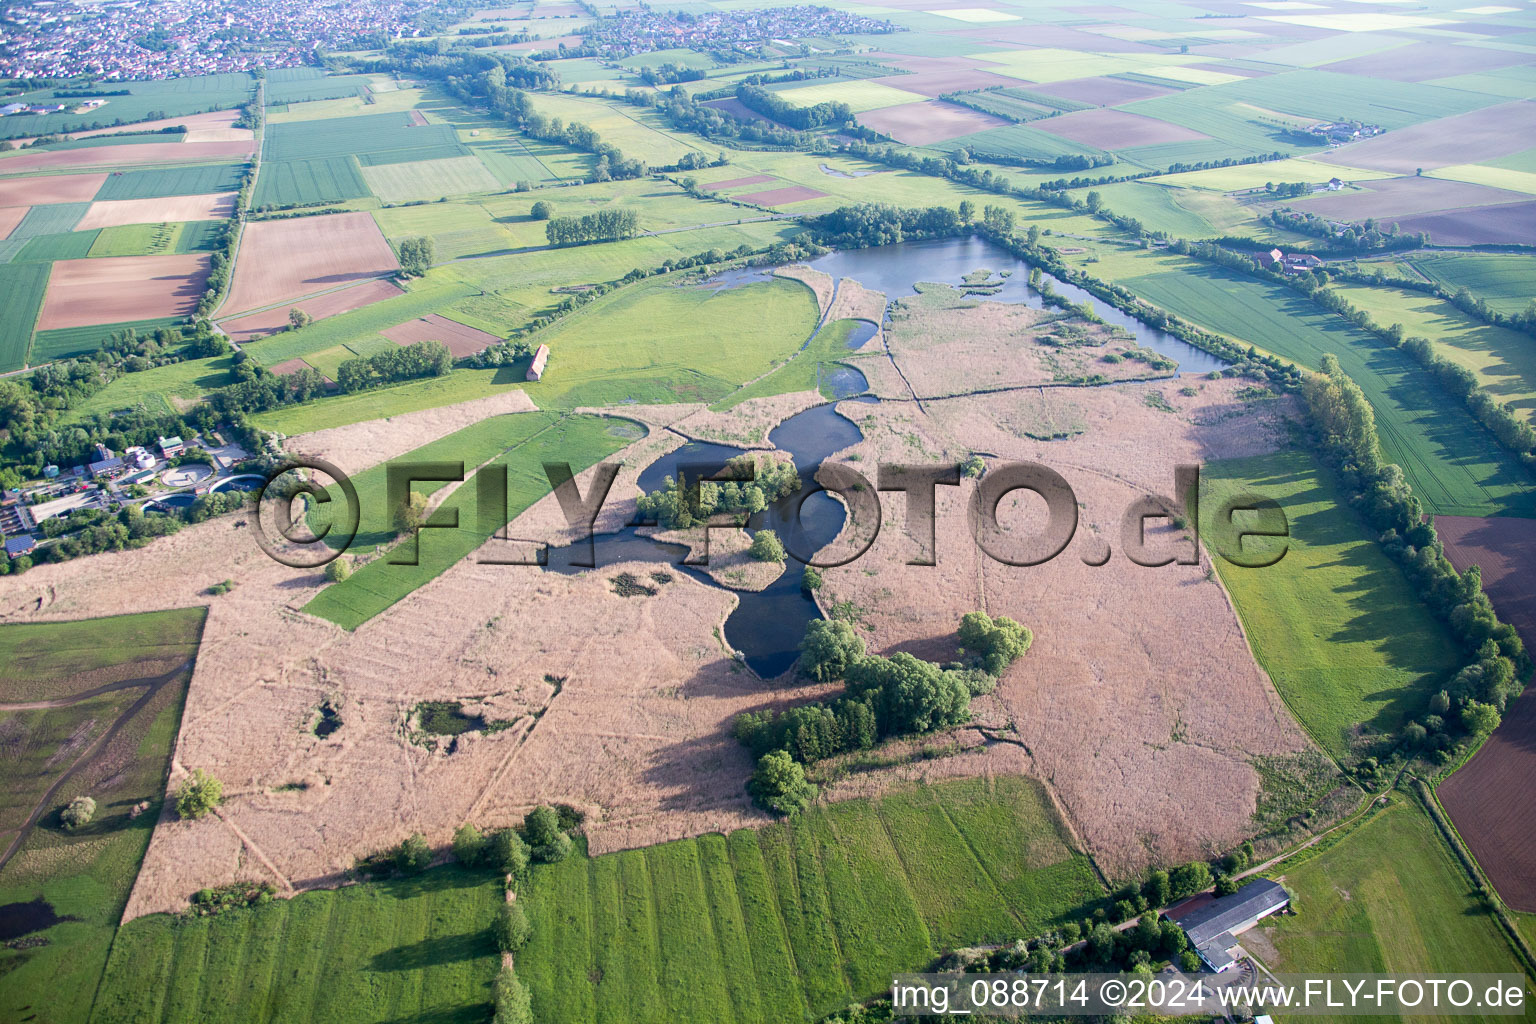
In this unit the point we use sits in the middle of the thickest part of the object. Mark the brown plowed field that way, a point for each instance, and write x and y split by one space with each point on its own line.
1419 62
284 259
127 156
10 216
1106 92
259 325
944 80
927 122
751 179
461 340
288 366
116 289
1117 129
1392 198
1491 799
782 196
59 188
113 212
1511 224
1465 139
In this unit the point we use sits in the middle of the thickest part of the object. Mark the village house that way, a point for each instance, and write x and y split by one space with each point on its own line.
540 358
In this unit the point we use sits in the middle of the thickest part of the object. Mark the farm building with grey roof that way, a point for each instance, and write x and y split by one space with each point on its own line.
1213 927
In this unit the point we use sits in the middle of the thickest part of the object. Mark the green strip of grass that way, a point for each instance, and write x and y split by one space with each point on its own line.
1349 646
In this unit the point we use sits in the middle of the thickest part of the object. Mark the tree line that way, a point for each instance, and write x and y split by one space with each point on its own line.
775 107
603 226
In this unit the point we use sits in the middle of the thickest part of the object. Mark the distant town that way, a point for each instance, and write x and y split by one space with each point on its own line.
156 39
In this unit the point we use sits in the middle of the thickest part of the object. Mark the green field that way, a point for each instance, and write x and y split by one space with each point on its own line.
156 239
416 949
319 88
161 182
169 98
53 219
373 138
1389 899
430 179
1504 360
805 370
75 341
425 297
297 182
68 245
529 441
1235 125
1328 95
1017 140
1504 282
153 389
1334 623
1454 465
795 920
21 296
86 874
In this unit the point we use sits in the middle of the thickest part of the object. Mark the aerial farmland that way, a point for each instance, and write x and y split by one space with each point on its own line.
633 513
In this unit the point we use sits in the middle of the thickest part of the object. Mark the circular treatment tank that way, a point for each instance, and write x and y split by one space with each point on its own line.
244 482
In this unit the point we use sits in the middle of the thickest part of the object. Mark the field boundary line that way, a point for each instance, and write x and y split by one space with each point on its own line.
778 910
971 849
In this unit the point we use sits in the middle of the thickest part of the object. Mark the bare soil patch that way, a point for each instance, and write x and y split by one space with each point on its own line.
1492 802
1106 92
1117 129
127 156
288 366
1514 224
1466 138
730 563
731 105
929 121
1419 62
751 179
220 135
461 340
114 212
281 259
10 216
212 119
1403 197
53 188
116 289
782 196
273 321
357 446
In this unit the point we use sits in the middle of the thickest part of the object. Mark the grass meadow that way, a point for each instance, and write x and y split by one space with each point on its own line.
285 182
1390 899
63 342
68 245
1346 641
162 182
800 918
803 371
416 949
21 296
531 440
159 389
1503 281
1454 464
85 875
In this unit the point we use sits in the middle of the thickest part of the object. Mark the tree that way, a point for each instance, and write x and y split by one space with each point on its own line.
1094 202
811 580
779 785
415 256
469 846
298 318
541 826
1157 889
995 643
410 515
830 646
413 854
1226 885
766 547
198 795
967 210
1480 719
78 813
1189 962
506 852
541 210
1191 878
513 1003
338 568
973 467
511 928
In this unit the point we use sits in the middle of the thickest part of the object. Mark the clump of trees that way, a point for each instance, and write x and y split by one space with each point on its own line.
413 855
514 1005
758 481
78 813
547 841
775 107
779 784
198 795
511 929
766 547
882 697
541 210
389 365
415 256
602 226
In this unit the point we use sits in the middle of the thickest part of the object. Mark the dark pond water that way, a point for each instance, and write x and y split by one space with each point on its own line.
766 625
894 269
181 500
248 482
862 331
